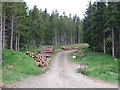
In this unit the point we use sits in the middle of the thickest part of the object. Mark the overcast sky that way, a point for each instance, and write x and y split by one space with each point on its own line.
77 7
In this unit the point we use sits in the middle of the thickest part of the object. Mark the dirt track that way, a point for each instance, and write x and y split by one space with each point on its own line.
62 75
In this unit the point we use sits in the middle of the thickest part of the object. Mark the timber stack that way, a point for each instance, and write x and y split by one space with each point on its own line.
65 48
42 59
70 48
47 51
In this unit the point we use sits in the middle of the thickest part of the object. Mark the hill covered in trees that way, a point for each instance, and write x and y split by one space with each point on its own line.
23 28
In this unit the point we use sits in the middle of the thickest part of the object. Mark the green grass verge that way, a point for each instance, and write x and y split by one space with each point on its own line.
100 65
37 50
57 48
17 66
81 45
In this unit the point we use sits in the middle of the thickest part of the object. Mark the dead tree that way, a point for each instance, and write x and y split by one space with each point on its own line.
113 43
11 36
1 33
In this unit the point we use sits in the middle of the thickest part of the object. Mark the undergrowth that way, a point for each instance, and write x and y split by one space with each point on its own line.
100 65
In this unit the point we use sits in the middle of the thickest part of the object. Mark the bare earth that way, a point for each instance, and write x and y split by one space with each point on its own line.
62 75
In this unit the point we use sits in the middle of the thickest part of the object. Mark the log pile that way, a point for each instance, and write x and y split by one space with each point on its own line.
76 48
81 53
2 85
42 59
65 48
70 48
47 51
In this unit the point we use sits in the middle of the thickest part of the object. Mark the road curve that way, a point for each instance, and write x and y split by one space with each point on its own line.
62 75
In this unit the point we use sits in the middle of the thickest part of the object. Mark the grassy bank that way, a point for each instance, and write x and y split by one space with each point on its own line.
100 65
17 66
80 45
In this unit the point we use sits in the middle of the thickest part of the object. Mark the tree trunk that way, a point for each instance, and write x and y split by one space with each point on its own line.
119 46
78 37
53 41
104 45
11 39
56 38
16 43
71 38
113 44
18 47
0 33
62 39
3 39
34 43
65 41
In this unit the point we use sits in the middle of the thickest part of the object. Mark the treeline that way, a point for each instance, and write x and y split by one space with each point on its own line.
101 27
23 28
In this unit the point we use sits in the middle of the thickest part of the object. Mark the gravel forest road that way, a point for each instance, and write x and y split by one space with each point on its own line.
62 75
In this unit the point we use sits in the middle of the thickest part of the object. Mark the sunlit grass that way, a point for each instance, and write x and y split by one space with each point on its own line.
100 65
17 65
81 45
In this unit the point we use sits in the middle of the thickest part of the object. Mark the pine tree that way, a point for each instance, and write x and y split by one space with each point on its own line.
101 29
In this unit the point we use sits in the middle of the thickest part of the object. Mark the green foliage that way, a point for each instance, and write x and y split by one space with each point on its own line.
17 65
101 66
35 51
35 27
100 19
81 45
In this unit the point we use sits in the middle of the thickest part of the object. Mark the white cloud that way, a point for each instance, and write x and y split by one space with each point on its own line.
69 6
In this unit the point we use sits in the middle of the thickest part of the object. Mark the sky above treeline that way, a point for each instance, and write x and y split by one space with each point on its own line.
77 7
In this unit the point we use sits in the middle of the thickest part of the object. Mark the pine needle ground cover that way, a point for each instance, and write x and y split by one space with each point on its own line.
100 65
17 65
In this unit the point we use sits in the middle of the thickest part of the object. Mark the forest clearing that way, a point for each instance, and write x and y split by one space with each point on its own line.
39 49
62 75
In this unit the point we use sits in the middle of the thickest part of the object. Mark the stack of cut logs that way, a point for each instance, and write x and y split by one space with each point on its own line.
70 48
65 48
42 59
47 51
81 52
